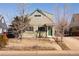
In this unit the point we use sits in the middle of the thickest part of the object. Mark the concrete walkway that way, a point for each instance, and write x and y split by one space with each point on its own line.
72 43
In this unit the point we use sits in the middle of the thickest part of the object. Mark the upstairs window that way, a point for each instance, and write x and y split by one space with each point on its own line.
37 15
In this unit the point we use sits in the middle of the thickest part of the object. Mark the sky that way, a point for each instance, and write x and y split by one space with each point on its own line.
10 10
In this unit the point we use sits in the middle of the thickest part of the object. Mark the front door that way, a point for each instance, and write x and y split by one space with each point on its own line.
49 31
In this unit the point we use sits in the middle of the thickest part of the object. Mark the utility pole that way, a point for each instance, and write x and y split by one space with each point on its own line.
58 19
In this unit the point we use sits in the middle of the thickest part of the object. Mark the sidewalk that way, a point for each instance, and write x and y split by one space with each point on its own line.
38 53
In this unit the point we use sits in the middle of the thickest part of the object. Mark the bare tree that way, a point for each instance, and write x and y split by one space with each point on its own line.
22 10
19 25
62 22
62 25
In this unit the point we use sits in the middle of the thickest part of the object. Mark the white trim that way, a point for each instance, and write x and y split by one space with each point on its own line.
0 30
53 31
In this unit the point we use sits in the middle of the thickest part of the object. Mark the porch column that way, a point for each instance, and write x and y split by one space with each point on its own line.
53 31
47 32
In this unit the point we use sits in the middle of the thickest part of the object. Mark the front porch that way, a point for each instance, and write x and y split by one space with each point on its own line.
39 31
45 31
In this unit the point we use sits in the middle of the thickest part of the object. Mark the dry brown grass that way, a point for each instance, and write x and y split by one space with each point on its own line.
31 44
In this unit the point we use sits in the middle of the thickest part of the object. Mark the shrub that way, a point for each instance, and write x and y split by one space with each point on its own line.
3 40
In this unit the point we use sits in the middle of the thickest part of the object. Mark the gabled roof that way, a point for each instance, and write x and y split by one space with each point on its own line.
3 24
75 20
42 12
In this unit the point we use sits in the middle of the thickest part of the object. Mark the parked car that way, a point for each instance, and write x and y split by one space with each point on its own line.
10 33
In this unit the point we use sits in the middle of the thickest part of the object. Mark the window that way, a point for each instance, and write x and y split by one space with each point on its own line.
41 29
29 28
37 15
77 28
73 19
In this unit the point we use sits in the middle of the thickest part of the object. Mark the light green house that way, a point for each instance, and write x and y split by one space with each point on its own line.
41 25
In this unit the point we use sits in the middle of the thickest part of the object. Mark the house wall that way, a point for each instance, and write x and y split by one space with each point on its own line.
28 34
39 21
74 25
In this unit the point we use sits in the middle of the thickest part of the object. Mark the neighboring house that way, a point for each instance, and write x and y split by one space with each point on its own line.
74 25
3 26
41 25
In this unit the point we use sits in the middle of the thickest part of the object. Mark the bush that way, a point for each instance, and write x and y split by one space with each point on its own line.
3 40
